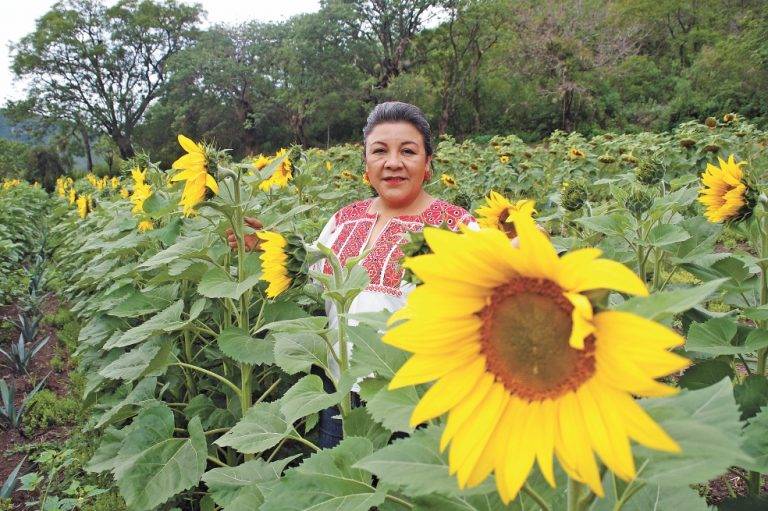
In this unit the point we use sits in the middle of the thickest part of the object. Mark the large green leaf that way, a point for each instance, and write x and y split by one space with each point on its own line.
328 481
142 394
297 352
663 305
217 284
751 395
134 363
167 320
391 408
705 423
756 441
371 355
153 465
229 485
706 373
713 337
235 343
183 247
662 235
262 427
105 457
306 397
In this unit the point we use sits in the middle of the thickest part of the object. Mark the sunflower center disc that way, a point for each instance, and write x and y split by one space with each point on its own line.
525 335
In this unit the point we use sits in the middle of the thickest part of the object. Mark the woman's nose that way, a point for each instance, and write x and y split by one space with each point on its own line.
393 161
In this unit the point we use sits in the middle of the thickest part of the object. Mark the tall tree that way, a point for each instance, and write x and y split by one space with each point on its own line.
103 66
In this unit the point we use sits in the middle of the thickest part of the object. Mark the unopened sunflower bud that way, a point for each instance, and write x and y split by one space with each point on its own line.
650 171
606 158
639 201
687 142
712 148
573 195
710 122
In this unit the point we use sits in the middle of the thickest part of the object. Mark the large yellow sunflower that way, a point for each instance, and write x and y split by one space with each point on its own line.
194 170
723 191
273 262
497 211
525 368
280 176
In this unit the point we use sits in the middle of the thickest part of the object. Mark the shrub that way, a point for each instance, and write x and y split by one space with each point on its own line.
47 410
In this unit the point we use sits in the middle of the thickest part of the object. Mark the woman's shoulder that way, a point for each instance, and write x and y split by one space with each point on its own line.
357 209
442 211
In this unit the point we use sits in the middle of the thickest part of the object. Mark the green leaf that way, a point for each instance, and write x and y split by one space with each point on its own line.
416 464
751 395
713 337
616 224
228 484
297 352
358 422
217 284
133 364
154 466
371 355
393 408
140 303
706 373
668 303
756 441
105 457
183 247
705 423
142 394
662 235
306 397
262 427
166 320
328 481
235 343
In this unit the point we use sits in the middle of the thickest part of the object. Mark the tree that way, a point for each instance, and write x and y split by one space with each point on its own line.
383 30
99 66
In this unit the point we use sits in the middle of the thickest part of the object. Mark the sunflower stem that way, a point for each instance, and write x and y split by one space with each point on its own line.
574 493
538 499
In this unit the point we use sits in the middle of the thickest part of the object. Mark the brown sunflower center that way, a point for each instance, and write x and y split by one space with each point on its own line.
526 327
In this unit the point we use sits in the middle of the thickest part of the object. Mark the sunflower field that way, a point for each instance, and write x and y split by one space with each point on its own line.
614 358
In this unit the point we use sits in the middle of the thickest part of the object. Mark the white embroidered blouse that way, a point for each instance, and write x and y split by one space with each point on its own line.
347 233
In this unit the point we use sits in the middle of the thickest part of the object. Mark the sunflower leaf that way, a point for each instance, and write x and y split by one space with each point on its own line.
217 284
262 427
235 343
663 305
328 480
705 423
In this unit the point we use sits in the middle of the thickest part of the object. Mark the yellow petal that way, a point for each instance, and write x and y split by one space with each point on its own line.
447 392
424 368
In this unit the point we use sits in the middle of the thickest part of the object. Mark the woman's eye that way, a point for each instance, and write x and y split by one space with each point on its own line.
377 151
409 151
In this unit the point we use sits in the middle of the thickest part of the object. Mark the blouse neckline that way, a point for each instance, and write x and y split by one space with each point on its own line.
419 217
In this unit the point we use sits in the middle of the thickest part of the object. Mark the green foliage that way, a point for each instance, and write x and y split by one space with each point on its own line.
47 410
13 159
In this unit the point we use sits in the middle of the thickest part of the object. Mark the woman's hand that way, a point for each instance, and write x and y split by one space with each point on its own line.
251 241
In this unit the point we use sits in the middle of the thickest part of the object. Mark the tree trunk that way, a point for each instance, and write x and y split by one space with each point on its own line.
123 142
87 145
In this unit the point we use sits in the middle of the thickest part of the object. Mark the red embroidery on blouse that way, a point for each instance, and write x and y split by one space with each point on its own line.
383 261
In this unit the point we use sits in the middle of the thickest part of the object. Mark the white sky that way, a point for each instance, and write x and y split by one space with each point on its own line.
17 22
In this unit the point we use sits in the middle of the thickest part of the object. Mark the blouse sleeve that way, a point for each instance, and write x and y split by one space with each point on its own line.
326 238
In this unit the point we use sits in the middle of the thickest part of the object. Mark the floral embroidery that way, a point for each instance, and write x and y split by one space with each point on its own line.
355 224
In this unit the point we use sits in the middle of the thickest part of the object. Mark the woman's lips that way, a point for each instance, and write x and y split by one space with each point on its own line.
394 180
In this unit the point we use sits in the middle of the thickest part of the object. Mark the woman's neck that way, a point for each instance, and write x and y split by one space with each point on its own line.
415 207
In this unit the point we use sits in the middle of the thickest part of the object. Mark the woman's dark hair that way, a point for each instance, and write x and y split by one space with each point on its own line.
397 111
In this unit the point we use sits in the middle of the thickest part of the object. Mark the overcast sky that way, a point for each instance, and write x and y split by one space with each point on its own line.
16 23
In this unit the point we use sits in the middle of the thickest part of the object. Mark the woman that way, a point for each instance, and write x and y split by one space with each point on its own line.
398 151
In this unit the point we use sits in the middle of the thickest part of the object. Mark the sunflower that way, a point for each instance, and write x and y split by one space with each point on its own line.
72 196
194 170
723 191
274 262
575 153
345 174
525 369
497 210
141 190
146 225
280 176
448 180
328 166
82 206
124 193
261 161
504 159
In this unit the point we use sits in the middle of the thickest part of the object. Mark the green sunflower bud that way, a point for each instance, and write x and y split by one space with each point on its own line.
297 255
639 201
710 122
650 171
628 158
573 195
687 142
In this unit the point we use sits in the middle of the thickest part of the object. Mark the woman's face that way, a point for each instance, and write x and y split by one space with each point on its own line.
396 162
